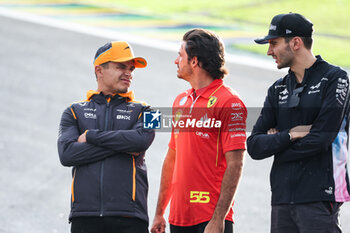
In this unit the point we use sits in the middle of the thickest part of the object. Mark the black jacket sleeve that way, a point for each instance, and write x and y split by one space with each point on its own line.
260 145
327 124
73 153
137 139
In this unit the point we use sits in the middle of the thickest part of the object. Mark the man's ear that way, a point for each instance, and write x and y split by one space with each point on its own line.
194 62
98 70
296 43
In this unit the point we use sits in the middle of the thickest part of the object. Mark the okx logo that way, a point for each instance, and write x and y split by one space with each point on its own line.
151 120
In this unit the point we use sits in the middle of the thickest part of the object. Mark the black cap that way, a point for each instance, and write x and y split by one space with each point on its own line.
288 25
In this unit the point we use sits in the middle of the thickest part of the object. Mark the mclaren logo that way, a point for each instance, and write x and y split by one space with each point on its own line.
127 47
211 102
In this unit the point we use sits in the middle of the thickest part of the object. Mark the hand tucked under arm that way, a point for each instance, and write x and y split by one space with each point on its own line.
272 131
82 137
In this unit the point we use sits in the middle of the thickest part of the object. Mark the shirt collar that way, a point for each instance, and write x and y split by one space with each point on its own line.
209 90
129 95
318 61
314 67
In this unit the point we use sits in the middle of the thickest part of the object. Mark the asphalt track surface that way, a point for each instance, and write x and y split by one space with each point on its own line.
44 70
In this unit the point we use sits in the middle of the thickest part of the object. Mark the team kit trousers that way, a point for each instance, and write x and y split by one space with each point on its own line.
199 228
108 225
316 217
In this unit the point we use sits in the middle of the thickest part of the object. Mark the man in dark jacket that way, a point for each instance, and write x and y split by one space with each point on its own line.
103 139
304 125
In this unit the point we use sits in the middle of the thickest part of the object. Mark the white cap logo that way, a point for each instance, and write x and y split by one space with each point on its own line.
288 31
273 27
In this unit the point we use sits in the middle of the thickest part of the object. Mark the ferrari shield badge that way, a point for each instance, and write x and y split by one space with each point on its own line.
212 101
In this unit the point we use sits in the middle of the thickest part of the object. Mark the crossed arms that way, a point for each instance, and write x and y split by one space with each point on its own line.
310 141
78 149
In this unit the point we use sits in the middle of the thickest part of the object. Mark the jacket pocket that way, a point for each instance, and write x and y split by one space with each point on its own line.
85 188
119 189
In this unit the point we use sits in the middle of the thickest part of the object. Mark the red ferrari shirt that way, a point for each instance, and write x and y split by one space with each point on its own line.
206 125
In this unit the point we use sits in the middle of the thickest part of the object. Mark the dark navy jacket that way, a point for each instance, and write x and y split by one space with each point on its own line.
313 168
107 181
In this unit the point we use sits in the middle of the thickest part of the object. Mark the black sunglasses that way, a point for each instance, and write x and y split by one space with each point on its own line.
295 98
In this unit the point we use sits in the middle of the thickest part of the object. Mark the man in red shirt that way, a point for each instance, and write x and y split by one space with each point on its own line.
204 162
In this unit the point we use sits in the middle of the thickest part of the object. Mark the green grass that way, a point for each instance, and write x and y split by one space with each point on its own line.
337 54
330 17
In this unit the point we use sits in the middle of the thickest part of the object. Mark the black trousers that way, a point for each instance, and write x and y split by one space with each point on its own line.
316 217
199 228
108 225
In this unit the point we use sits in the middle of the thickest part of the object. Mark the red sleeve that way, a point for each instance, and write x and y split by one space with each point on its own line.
233 116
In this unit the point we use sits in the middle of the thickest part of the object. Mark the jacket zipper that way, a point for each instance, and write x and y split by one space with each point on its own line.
292 185
103 163
292 181
133 179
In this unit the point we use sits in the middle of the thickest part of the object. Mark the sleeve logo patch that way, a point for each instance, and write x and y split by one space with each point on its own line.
183 101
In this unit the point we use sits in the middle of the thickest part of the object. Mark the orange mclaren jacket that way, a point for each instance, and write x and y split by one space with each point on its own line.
107 180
